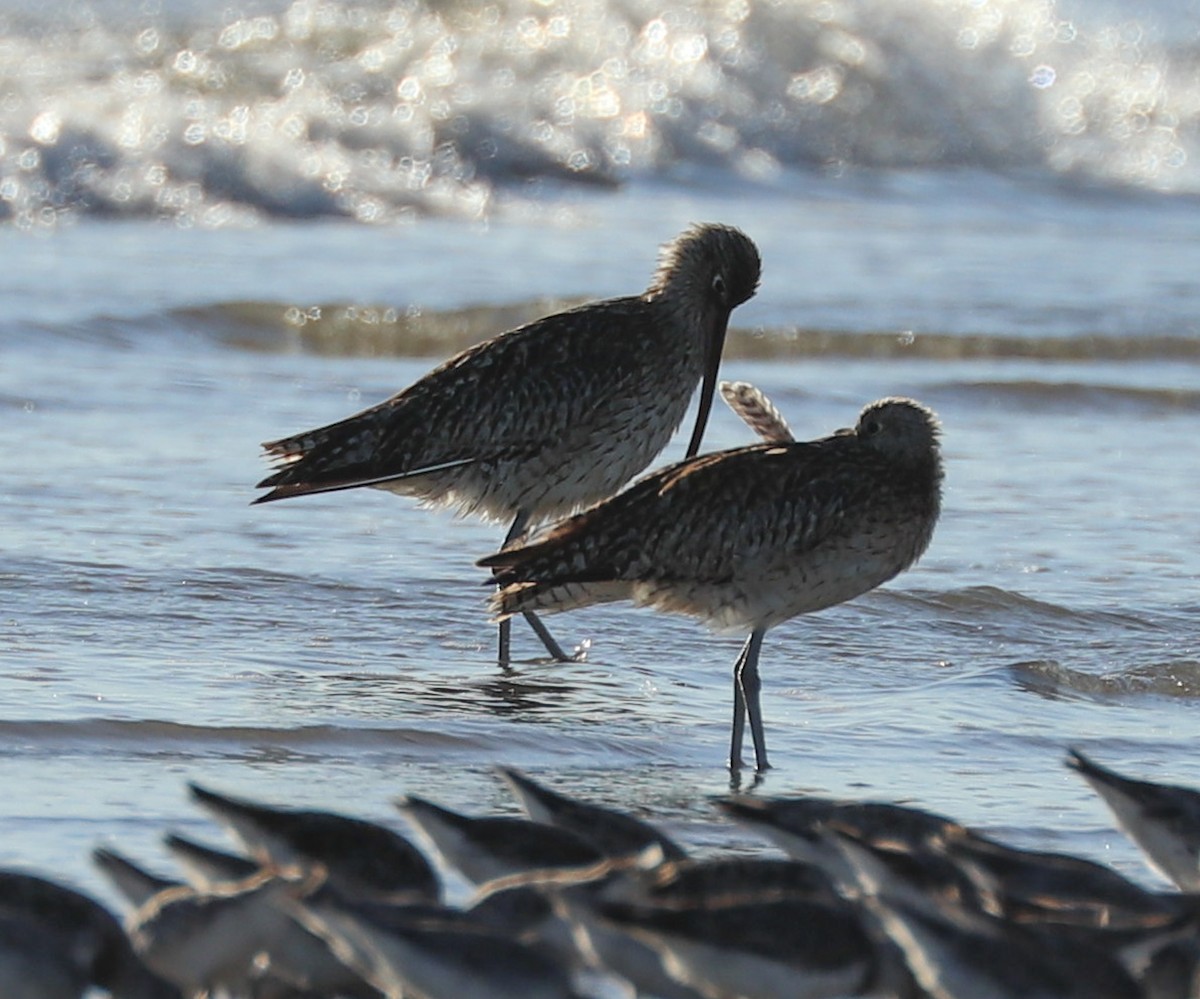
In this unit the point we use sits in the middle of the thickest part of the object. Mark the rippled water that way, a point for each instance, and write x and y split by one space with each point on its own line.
378 111
334 651
989 206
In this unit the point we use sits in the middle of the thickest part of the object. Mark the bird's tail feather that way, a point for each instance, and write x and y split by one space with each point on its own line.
757 412
284 490
518 598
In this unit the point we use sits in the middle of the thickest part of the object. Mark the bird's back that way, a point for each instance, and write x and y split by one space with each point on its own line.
751 536
547 417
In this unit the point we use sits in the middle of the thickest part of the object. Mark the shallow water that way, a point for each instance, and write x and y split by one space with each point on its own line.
155 628
335 652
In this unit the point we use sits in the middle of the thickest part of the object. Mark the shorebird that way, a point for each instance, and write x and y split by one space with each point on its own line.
679 889
82 938
488 847
205 867
361 858
767 948
543 420
444 957
135 883
746 539
796 825
613 833
209 941
33 965
1163 819
1036 885
957 954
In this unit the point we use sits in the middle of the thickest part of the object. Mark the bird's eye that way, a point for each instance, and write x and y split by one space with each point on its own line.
871 427
718 285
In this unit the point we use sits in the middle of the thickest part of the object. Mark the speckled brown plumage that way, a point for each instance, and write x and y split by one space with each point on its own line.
757 412
540 421
548 417
747 538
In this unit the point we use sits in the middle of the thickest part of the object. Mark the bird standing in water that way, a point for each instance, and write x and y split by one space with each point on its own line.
747 538
543 420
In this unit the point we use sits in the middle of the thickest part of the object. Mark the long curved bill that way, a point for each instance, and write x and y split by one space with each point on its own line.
708 387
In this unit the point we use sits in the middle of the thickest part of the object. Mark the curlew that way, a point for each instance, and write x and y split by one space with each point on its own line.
543 420
748 538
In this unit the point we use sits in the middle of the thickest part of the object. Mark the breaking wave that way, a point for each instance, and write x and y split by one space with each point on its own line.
379 110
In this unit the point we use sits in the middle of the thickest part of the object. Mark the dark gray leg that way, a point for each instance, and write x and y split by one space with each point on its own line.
552 647
746 703
505 640
520 522
739 712
751 686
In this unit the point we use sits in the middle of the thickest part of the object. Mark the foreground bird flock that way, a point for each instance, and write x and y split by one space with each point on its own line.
579 900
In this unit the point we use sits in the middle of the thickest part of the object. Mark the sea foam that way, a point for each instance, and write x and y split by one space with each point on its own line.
377 111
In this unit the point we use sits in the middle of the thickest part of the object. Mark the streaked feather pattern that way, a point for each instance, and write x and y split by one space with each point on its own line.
747 537
757 412
548 417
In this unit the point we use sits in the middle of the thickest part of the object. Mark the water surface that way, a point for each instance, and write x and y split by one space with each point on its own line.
1036 290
